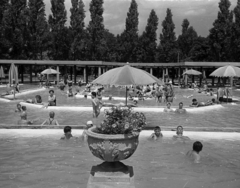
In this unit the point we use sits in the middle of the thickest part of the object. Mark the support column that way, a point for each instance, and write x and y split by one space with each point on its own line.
85 74
75 73
166 71
57 74
99 71
71 72
213 79
151 71
163 73
22 76
201 70
30 70
186 78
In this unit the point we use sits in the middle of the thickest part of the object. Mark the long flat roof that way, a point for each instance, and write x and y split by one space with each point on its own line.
103 63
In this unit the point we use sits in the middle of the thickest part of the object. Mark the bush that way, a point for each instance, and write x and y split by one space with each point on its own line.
122 120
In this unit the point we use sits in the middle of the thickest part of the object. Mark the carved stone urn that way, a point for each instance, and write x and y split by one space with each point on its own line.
111 148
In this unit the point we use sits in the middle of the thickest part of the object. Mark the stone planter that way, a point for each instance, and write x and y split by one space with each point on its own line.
111 148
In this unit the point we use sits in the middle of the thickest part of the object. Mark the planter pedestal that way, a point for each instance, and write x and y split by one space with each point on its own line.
111 174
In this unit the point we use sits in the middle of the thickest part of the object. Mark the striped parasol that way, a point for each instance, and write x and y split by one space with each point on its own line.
2 75
13 74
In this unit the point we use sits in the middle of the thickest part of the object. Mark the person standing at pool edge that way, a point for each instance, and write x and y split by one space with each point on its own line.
96 105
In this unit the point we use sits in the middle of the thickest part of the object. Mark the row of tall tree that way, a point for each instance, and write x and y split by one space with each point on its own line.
26 33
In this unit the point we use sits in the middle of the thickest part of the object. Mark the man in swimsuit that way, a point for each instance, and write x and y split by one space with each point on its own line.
51 120
168 109
157 133
180 110
67 133
96 105
194 153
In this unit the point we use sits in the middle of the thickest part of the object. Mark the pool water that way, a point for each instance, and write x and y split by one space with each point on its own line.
228 116
37 158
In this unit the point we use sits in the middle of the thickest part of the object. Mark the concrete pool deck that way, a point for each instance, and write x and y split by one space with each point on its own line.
230 136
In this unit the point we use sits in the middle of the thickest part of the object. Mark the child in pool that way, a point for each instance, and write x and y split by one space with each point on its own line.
84 135
70 92
157 133
51 120
19 108
67 133
168 109
51 98
179 135
23 116
194 153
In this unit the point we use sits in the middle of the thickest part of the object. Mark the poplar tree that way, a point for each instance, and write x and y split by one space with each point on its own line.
168 47
221 34
96 31
129 37
59 44
15 29
236 33
38 28
149 38
186 39
3 42
77 26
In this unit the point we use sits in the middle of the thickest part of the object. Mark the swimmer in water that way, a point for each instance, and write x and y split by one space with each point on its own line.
51 120
194 153
180 110
36 100
19 108
179 135
168 109
67 133
23 116
195 103
84 135
157 133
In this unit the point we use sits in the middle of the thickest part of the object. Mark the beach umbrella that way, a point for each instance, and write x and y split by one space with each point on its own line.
13 74
192 72
226 71
50 71
126 76
2 75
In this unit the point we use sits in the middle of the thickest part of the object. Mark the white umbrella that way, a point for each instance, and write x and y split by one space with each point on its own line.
13 76
2 75
192 72
50 71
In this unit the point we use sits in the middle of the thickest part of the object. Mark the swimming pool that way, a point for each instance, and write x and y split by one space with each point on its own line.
227 116
37 158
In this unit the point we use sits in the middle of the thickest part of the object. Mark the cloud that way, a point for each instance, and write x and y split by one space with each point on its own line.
195 12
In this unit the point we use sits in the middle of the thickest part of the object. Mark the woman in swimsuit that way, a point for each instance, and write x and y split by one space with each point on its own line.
51 120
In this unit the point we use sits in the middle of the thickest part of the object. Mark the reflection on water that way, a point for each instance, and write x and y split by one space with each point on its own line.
48 162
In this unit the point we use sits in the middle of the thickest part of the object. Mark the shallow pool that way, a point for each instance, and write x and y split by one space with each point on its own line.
37 158
228 116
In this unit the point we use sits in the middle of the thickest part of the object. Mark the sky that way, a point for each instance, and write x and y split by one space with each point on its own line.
200 13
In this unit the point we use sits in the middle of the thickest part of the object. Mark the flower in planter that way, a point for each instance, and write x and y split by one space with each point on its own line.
122 121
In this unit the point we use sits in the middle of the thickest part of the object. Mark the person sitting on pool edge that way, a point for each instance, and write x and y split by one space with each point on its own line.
96 104
51 98
67 133
180 109
179 133
84 135
19 108
168 108
157 133
51 120
194 153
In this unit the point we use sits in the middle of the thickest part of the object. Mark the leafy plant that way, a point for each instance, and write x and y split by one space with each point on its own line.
122 121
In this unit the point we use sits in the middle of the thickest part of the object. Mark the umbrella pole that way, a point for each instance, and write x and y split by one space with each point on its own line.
126 95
